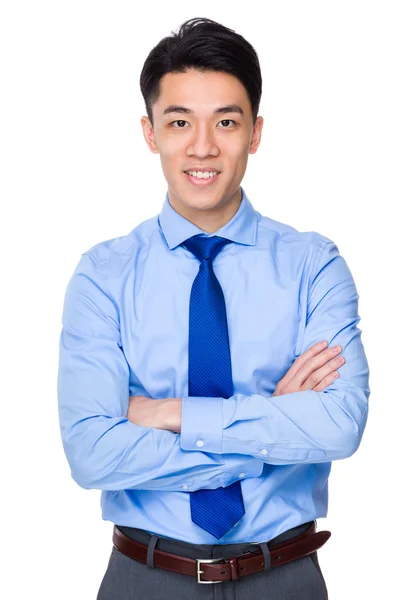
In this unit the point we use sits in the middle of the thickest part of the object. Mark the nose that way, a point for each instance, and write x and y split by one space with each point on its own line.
203 142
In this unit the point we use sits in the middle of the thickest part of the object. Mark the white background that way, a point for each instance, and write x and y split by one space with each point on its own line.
75 170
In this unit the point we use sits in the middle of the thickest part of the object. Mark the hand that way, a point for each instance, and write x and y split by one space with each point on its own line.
144 411
313 370
158 414
171 415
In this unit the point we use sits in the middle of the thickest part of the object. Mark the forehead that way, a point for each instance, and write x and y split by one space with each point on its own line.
203 91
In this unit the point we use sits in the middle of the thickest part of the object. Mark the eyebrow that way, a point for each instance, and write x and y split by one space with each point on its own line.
229 108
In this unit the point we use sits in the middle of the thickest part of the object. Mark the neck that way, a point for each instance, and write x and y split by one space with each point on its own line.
211 219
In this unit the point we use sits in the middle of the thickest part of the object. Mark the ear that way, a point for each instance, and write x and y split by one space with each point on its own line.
148 134
256 136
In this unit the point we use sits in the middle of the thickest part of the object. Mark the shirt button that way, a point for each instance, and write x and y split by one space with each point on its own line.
264 451
185 487
242 475
199 443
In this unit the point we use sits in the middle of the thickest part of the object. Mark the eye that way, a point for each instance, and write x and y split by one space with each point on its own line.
227 121
178 121
181 121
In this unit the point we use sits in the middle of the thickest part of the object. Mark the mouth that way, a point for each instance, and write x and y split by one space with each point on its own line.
202 181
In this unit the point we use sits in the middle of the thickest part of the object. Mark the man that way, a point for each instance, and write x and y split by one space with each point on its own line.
211 366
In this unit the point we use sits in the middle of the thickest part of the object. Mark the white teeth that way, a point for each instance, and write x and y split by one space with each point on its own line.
202 174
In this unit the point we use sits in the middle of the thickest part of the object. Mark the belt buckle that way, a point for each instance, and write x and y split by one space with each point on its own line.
200 561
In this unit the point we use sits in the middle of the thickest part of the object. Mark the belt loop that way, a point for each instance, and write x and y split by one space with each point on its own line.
267 556
150 550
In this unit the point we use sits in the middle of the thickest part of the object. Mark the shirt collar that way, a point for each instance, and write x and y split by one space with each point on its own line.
241 228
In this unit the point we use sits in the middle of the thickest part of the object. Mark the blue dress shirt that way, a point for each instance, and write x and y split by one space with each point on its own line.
125 332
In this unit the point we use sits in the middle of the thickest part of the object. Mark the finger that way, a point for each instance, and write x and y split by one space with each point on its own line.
327 381
315 363
317 376
300 360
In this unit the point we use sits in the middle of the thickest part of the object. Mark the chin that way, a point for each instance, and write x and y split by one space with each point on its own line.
199 201
197 196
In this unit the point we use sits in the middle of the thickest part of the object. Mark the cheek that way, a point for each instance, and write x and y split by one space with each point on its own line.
172 153
171 165
239 160
235 150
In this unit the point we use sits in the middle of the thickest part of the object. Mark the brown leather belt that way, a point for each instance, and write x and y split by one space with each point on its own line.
217 570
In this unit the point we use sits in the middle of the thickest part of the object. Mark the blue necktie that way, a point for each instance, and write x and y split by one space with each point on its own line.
210 375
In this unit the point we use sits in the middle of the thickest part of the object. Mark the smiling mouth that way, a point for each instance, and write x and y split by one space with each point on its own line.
202 181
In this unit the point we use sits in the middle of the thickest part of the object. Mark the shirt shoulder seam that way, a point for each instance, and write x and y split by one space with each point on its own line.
320 251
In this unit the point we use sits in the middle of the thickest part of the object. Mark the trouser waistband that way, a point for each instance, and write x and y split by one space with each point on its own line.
244 559
189 550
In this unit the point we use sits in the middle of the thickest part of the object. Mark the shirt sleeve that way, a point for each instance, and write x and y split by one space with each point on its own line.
104 449
306 426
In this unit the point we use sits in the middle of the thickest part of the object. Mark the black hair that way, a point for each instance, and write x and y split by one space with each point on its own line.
204 45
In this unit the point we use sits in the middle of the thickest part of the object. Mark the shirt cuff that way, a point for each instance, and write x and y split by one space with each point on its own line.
202 424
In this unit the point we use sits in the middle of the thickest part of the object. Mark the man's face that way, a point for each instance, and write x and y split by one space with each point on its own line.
202 139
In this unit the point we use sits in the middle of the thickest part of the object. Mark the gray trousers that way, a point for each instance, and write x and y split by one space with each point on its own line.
128 579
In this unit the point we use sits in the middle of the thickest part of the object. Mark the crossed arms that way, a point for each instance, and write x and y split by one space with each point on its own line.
107 451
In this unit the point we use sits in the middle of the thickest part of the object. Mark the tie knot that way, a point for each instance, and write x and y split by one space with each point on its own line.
205 247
